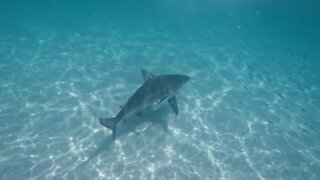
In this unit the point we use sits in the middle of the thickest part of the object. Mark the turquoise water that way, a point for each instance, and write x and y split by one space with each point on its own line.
250 110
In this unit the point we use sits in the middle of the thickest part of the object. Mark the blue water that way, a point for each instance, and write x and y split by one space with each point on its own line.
250 110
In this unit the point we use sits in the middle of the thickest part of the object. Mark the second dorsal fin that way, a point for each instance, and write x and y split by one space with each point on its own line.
147 75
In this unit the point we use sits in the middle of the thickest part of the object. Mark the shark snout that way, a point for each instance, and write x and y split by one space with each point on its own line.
185 78
182 80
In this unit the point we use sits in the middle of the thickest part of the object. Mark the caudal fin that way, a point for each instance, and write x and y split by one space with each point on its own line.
109 123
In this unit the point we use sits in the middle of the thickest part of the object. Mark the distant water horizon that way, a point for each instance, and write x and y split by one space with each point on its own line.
250 110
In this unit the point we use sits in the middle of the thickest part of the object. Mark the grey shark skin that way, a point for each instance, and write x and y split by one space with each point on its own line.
155 90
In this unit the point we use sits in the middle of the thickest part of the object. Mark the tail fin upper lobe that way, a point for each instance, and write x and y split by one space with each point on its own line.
109 123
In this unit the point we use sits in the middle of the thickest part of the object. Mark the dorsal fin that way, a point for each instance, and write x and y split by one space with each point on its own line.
147 75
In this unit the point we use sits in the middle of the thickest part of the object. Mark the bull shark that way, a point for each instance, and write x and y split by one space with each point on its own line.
155 90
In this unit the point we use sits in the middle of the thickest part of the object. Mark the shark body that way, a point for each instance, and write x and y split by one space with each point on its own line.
155 90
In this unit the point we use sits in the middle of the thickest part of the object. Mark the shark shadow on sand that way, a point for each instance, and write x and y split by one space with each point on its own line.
153 118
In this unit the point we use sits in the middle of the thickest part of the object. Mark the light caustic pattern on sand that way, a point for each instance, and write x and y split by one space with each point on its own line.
243 115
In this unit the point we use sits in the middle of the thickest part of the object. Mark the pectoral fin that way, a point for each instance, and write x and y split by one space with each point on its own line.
174 105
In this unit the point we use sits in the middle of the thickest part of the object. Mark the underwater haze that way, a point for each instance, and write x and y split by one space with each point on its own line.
251 109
